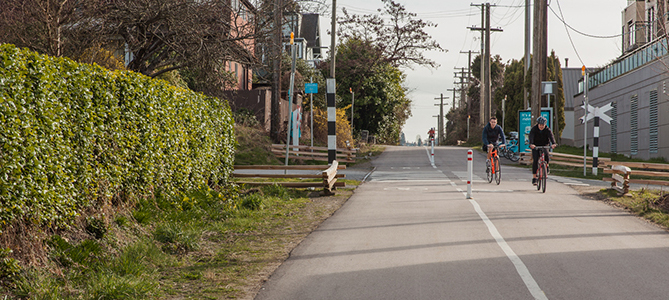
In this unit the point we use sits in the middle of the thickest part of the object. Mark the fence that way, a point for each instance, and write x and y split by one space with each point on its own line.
566 160
622 171
328 174
313 153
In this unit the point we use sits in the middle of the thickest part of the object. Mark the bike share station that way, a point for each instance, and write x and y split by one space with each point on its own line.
525 125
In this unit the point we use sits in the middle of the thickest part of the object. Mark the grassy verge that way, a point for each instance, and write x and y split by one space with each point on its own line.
652 205
206 245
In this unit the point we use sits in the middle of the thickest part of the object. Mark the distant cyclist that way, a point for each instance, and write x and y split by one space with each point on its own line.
540 135
491 135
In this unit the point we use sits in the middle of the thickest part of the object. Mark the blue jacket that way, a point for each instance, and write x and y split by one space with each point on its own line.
491 135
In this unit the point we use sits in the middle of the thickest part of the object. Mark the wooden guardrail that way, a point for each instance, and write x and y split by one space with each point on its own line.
622 172
329 176
313 153
565 160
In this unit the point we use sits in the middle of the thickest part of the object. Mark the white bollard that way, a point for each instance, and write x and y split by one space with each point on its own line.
470 169
432 154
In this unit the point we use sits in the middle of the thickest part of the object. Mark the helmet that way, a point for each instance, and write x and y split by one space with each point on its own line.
541 120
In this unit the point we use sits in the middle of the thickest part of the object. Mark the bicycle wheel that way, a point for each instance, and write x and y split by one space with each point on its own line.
544 177
498 171
514 157
488 170
539 176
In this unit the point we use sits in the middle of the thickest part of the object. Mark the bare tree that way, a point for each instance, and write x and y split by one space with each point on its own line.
398 35
52 27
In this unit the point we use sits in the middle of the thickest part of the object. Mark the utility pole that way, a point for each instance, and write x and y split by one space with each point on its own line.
453 90
486 93
333 35
537 42
331 92
528 43
462 75
275 122
440 122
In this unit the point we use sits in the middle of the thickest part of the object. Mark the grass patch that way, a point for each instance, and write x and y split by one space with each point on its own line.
202 245
652 205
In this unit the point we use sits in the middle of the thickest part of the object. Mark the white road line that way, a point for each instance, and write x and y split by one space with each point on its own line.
522 270
429 157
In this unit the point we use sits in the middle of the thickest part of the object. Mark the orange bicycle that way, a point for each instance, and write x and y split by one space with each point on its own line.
492 166
542 168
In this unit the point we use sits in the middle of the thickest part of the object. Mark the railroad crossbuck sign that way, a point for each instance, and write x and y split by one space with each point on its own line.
598 112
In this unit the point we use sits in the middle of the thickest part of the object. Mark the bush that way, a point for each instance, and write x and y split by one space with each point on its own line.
76 136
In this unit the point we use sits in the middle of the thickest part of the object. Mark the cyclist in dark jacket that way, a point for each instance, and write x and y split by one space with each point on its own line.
540 135
491 134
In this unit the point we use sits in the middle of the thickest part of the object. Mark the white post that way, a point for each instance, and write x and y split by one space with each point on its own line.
290 96
470 168
585 127
432 154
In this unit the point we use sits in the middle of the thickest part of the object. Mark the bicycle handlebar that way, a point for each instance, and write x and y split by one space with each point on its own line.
543 147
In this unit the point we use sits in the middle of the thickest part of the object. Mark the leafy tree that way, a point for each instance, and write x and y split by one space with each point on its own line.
397 36
554 73
381 103
514 80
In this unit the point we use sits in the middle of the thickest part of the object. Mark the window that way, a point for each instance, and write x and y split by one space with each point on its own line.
651 24
632 35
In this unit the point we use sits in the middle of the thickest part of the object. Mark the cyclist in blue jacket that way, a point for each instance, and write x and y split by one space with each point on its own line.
491 134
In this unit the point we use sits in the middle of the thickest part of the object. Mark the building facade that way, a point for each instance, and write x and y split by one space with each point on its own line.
634 85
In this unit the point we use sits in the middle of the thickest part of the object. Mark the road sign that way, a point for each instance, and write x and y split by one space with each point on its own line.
594 111
311 88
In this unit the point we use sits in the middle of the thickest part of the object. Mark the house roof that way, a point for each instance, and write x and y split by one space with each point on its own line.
570 78
310 30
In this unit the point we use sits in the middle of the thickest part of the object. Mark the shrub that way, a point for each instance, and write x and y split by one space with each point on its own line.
77 135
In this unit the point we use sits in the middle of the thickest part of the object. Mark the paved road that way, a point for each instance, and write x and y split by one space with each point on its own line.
410 233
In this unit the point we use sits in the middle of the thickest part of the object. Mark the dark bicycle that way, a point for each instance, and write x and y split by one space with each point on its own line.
542 168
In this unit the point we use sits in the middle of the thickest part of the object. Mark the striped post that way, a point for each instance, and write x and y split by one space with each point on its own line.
595 146
470 169
332 121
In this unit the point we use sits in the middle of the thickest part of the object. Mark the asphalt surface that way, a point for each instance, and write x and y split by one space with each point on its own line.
409 232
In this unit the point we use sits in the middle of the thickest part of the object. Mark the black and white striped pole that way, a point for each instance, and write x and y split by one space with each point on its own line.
595 146
332 121
470 169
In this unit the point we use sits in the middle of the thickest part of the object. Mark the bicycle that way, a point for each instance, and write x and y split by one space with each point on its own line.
510 151
542 169
492 166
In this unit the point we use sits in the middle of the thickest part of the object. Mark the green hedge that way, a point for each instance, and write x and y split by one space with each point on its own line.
74 136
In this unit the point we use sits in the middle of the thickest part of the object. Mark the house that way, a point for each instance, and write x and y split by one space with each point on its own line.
306 28
243 14
635 85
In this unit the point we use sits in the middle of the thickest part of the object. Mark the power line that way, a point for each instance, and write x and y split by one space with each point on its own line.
569 35
577 31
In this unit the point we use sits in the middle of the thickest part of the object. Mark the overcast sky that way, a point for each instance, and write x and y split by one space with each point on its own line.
594 19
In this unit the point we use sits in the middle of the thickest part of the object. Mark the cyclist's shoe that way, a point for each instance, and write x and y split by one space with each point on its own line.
534 181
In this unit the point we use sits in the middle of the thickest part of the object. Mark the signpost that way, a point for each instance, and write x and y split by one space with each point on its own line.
597 113
311 88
